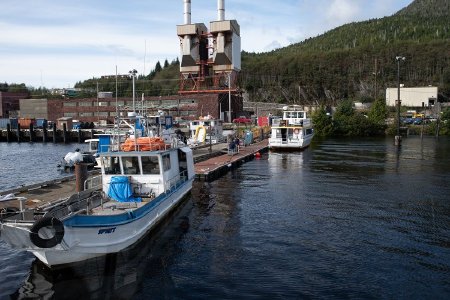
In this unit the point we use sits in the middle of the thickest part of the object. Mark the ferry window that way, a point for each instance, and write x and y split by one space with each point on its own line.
112 165
150 165
278 133
130 165
166 162
300 115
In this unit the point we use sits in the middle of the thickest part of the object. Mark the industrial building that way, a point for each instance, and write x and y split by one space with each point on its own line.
209 67
9 103
412 96
104 110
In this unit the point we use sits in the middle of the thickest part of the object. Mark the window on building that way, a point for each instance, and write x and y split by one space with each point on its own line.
69 104
84 103
101 113
188 101
70 114
86 114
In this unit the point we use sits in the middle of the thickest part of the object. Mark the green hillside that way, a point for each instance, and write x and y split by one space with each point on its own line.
342 63
354 61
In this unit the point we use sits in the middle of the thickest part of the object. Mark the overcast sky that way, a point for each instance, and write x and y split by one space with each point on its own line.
57 43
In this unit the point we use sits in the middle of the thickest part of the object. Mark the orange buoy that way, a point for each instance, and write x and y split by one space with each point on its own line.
257 154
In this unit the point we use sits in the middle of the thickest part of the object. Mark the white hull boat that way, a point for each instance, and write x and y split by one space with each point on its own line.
293 132
135 191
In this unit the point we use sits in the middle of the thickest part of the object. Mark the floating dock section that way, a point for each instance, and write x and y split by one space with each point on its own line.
213 168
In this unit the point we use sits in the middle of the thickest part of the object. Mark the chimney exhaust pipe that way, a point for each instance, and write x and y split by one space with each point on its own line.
220 10
187 12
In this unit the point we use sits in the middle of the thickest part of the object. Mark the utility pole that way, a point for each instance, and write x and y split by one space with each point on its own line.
398 137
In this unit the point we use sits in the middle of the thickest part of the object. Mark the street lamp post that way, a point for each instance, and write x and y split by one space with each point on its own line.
398 137
133 76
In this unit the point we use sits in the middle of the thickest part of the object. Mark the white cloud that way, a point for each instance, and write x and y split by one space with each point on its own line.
343 11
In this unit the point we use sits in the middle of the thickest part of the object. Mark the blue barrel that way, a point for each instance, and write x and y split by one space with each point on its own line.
248 139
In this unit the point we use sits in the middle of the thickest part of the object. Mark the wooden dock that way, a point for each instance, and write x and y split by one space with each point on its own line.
213 168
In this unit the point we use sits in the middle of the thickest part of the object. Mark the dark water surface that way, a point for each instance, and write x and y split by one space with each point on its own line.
342 219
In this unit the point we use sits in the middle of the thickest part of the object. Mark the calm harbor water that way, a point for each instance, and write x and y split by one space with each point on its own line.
342 219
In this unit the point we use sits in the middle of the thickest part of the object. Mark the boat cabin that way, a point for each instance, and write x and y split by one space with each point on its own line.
148 172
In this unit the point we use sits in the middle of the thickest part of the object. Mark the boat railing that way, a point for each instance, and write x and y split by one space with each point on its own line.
94 182
171 184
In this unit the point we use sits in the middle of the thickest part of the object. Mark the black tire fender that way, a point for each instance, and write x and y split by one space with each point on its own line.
53 222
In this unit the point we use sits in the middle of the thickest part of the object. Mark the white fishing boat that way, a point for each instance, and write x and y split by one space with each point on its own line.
140 183
205 130
294 131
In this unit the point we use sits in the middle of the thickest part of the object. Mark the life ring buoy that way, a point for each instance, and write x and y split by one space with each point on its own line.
53 222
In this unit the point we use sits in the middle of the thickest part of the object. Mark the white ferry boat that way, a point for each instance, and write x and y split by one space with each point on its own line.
140 183
293 131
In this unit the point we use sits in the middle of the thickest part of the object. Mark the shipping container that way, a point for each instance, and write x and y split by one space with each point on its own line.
263 121
14 122
40 122
4 123
25 122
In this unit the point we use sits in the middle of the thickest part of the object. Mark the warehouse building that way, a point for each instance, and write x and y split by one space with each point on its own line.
413 96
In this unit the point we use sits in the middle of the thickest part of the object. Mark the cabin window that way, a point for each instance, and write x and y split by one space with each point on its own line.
130 165
150 165
111 165
166 162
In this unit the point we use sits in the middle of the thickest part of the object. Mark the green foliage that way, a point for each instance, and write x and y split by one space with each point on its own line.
160 81
378 112
323 123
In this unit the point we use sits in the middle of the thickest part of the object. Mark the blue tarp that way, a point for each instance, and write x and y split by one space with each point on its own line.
120 190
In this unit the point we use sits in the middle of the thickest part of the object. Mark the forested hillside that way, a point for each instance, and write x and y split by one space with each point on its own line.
357 60
354 61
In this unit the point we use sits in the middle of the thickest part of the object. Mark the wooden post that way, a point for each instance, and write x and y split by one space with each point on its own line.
65 133
8 133
54 133
79 136
31 133
44 131
18 132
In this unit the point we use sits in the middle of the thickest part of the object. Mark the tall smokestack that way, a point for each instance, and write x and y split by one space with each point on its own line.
187 12
220 10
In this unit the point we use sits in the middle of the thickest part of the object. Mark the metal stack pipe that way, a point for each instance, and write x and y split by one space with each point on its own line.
220 10
187 12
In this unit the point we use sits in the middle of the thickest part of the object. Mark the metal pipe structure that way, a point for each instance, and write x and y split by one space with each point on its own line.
220 10
187 12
